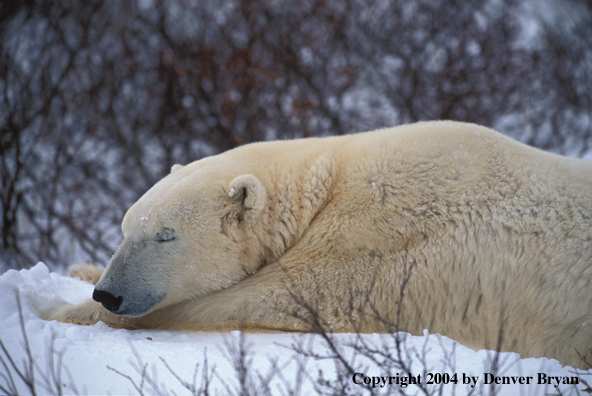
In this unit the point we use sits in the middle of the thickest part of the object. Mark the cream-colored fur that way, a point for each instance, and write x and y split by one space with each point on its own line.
86 272
480 230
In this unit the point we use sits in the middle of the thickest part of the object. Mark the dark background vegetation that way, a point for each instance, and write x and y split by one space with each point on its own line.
98 98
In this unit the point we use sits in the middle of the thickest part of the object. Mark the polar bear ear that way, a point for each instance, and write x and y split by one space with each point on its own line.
250 194
176 167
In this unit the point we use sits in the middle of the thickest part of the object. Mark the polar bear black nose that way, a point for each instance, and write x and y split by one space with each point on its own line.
108 300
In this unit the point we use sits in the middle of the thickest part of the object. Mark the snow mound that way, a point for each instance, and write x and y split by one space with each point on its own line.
71 359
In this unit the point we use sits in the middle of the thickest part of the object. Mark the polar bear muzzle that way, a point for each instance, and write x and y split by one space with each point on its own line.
128 304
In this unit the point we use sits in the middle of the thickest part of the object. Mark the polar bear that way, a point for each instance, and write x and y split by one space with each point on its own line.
444 226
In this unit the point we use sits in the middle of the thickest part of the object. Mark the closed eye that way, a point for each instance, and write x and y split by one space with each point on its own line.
165 235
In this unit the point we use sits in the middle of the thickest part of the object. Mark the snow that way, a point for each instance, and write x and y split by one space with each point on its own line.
102 360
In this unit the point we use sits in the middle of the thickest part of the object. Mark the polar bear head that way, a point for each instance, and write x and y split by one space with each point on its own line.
195 232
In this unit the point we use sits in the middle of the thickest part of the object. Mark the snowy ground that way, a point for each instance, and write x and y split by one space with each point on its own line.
100 360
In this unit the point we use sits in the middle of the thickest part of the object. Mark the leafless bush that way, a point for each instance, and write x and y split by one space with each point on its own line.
99 98
37 378
149 384
244 381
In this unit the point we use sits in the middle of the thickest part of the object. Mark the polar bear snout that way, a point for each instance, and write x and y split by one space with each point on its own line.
108 300
128 302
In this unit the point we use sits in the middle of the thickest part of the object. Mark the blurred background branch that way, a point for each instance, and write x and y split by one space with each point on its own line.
98 99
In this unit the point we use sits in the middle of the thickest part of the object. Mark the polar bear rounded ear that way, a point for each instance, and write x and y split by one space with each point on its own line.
250 194
176 167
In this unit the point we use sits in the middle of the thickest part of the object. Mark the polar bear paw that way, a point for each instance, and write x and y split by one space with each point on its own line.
86 272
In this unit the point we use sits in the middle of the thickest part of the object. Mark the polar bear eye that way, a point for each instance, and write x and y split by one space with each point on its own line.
167 234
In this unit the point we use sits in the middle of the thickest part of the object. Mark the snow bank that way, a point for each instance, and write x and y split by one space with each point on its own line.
101 360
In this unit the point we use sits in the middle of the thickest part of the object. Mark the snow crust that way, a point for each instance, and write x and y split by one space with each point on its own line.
96 359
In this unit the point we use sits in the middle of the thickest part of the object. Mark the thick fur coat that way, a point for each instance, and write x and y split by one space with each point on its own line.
444 226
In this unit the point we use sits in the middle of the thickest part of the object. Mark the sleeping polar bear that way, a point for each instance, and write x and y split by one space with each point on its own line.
440 225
